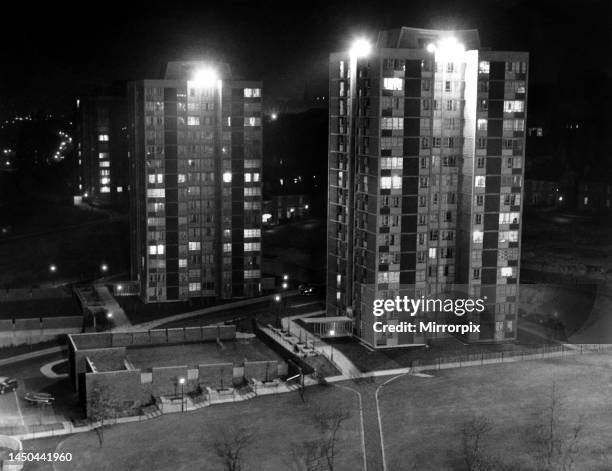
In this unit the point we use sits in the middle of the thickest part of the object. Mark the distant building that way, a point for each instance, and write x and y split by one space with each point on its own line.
285 208
101 147
195 211
426 154
594 196
541 193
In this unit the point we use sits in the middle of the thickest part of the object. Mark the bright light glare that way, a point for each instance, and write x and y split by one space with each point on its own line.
285 285
449 47
431 47
277 298
181 380
361 48
332 332
227 177
205 78
274 116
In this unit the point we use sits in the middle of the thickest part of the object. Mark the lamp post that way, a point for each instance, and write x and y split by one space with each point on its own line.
182 383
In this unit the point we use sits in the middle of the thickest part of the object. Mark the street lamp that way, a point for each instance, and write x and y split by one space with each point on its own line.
285 285
285 277
53 268
182 383
104 268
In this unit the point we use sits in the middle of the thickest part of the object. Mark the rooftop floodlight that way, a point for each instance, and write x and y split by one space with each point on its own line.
449 47
361 48
205 78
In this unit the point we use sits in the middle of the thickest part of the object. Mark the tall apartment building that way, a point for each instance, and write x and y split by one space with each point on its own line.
101 146
426 154
195 200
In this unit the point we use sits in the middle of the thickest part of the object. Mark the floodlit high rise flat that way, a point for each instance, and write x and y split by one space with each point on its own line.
426 158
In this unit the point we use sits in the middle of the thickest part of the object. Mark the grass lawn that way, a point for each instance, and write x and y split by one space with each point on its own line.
422 416
185 441
369 360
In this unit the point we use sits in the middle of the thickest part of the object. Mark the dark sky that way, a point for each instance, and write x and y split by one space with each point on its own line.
50 52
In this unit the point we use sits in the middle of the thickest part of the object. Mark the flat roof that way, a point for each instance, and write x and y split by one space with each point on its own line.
193 354
314 320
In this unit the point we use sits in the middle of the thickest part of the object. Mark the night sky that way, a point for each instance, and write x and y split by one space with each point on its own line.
52 52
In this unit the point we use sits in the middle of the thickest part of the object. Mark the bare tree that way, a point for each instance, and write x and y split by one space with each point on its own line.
330 422
307 456
559 443
100 407
320 454
231 444
473 432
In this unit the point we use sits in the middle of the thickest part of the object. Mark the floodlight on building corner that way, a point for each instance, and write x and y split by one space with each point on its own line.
205 78
361 48
447 48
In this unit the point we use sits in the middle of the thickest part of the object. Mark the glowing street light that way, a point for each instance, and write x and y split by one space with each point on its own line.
109 315
52 268
182 383
273 116
277 298
104 268
285 277
205 78
361 48
285 285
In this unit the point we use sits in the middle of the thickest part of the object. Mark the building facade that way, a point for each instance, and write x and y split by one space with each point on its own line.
195 206
101 147
426 154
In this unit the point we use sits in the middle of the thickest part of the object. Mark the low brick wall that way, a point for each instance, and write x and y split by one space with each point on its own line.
216 376
261 370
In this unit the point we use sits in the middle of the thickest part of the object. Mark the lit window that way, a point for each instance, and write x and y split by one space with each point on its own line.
250 274
182 263
105 189
227 247
385 183
477 237
252 121
105 164
227 177
103 155
119 189
196 286
180 178
479 182
252 247
432 252
247 177
507 272
194 246
250 233
105 180
193 120
482 124
396 182
392 123
103 137
160 249
252 92
514 106
484 67
393 83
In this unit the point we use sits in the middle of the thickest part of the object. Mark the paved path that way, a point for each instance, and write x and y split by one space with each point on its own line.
112 306
200 312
